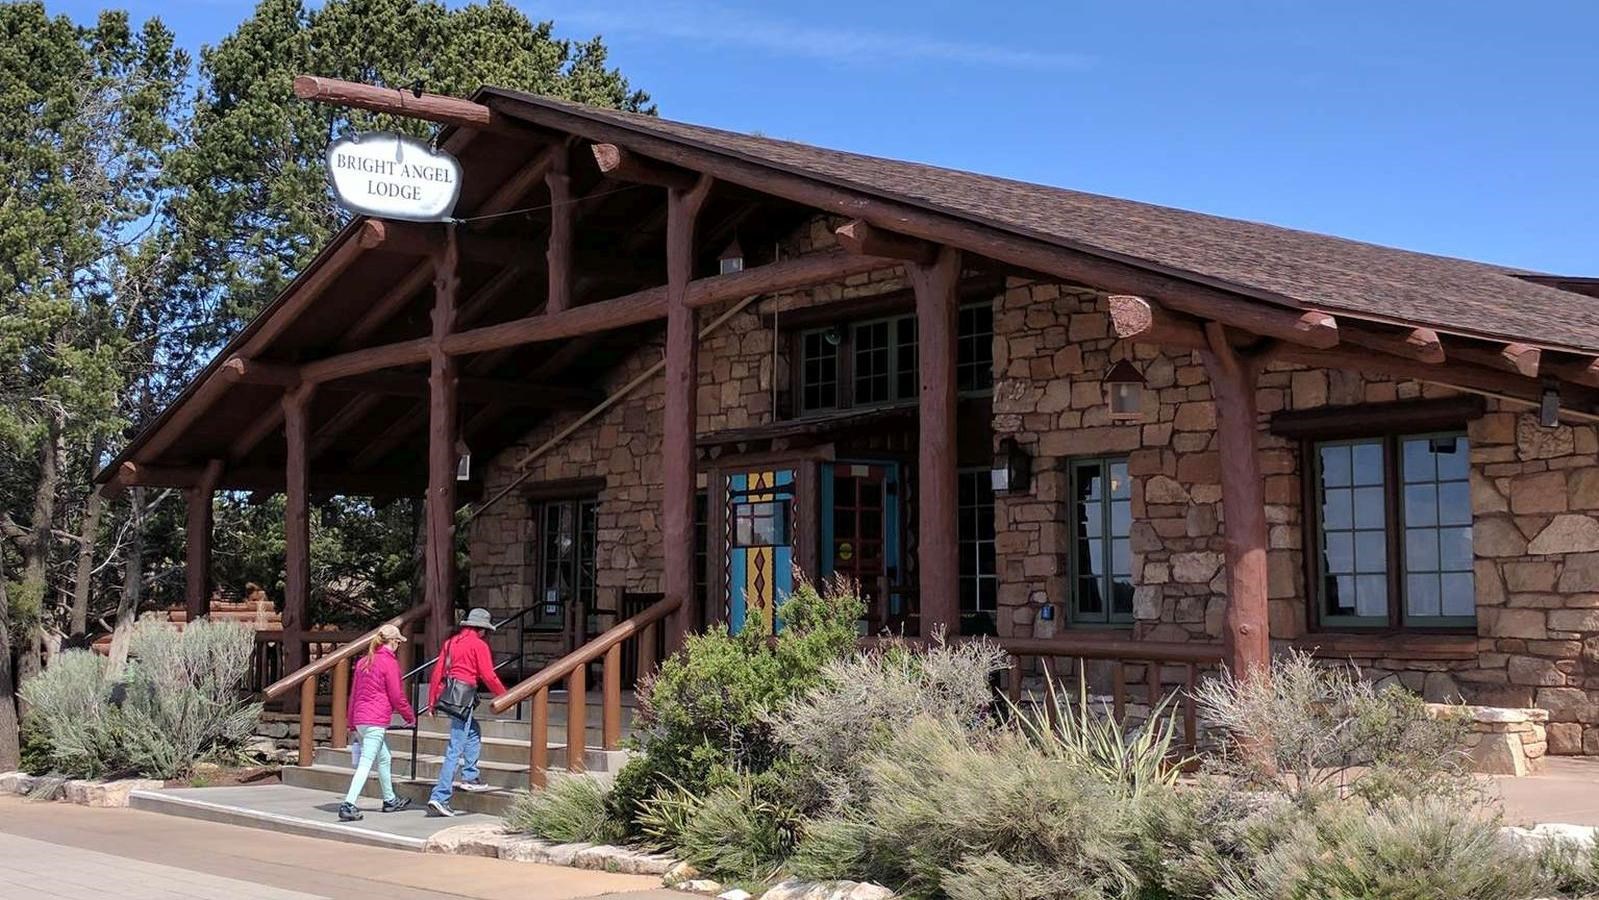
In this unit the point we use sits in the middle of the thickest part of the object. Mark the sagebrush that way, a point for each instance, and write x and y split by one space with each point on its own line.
570 809
179 701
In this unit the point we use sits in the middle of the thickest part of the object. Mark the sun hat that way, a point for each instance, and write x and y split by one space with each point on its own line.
388 633
478 618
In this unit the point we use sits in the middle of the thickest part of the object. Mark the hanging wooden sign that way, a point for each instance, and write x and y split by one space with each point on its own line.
393 177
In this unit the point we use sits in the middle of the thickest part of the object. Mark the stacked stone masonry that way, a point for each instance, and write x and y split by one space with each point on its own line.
1534 491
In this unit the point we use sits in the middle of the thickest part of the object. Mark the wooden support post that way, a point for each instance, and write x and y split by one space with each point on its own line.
611 723
440 551
538 749
682 381
341 704
1232 383
307 721
577 717
296 525
938 556
197 540
558 252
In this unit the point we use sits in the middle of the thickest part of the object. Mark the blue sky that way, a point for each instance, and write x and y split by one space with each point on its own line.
1469 128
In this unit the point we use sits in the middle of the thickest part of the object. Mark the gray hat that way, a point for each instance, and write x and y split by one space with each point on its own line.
478 618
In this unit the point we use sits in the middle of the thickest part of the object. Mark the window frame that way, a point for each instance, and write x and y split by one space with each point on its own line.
973 549
1109 618
1398 618
538 620
845 396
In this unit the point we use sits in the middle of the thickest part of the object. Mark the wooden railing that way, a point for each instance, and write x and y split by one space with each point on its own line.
573 670
1120 653
338 660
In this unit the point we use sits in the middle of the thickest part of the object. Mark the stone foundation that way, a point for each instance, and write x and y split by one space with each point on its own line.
1503 741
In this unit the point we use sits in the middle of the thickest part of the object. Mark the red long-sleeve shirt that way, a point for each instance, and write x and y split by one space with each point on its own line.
470 661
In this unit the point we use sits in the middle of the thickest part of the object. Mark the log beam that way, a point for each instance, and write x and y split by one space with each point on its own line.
197 541
938 550
412 105
296 524
1522 359
424 240
1420 344
1136 318
862 237
255 371
1580 370
624 165
472 390
558 248
1247 633
680 417
439 576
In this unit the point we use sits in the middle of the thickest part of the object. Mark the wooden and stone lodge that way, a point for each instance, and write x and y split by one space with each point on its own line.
686 364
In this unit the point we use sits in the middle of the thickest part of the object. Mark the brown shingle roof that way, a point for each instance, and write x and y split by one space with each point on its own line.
1268 262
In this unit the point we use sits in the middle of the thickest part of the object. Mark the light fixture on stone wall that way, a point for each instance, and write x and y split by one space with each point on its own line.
1124 391
1013 468
731 260
1549 409
463 461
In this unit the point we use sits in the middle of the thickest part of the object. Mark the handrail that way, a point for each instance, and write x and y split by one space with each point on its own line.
582 656
328 661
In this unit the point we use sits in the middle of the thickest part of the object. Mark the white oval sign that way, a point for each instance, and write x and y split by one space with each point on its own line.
393 177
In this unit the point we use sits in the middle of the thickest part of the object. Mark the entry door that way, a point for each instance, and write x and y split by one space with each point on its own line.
760 545
860 531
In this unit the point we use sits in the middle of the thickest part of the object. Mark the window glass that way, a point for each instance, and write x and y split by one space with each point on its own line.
872 358
819 371
882 355
979 580
1102 559
1438 557
1354 536
566 559
974 370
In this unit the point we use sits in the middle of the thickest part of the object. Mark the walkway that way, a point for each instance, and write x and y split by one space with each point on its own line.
56 850
1567 791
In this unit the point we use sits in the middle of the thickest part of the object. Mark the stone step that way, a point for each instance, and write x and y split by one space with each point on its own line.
511 774
512 729
511 751
336 780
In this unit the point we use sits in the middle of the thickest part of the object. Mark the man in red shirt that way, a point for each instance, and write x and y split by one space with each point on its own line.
464 657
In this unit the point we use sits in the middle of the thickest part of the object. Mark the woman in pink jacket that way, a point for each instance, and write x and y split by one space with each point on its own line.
375 697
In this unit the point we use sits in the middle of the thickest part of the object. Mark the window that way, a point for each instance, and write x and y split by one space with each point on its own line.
979 579
565 559
881 361
1393 524
1102 559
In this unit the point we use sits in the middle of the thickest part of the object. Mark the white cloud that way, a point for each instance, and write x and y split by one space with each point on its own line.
720 26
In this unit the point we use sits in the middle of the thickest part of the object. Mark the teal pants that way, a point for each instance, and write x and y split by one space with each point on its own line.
373 748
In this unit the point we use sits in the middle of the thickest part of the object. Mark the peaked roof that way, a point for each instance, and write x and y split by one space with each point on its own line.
1267 262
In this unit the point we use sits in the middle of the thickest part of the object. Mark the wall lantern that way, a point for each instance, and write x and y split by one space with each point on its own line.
1549 409
463 461
1013 468
1124 391
731 260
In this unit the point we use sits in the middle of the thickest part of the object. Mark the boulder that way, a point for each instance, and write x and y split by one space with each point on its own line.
106 794
702 886
470 840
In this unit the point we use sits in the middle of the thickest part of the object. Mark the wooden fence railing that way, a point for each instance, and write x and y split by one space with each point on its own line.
572 669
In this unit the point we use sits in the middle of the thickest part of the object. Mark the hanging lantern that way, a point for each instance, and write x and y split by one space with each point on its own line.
1124 391
1013 468
1549 409
463 461
731 260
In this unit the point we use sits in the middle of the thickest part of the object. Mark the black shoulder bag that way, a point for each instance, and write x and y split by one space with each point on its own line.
459 698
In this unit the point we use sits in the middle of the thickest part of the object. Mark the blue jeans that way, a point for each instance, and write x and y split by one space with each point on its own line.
466 741
374 749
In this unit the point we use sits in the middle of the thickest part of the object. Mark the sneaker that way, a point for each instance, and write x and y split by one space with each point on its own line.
439 808
476 785
348 813
397 804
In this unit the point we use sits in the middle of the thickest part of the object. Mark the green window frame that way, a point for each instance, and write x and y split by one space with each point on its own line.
1391 524
872 362
565 551
1101 516
975 542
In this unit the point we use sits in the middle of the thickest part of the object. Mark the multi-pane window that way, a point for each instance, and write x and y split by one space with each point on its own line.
1102 559
1393 525
881 361
979 579
566 563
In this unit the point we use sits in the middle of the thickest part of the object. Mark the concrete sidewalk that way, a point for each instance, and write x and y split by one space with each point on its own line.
63 851
1567 791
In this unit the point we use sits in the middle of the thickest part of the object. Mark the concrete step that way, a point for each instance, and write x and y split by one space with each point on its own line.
512 729
497 753
336 780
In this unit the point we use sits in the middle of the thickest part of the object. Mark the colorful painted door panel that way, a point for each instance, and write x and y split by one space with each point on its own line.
860 532
760 545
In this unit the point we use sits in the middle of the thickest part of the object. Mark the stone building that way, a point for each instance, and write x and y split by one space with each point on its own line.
1088 427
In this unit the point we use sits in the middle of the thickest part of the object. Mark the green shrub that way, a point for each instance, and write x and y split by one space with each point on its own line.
180 701
1427 848
701 717
570 810
1092 742
736 832
1310 731
863 701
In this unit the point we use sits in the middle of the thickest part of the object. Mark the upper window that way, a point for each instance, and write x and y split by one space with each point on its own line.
1392 517
873 363
1102 556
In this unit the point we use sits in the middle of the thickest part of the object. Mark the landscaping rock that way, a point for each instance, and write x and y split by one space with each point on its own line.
1533 839
683 871
469 840
106 794
605 858
703 886
795 889
16 783
735 894
536 851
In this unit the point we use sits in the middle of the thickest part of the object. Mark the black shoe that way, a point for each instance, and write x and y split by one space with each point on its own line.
397 804
476 785
436 808
348 812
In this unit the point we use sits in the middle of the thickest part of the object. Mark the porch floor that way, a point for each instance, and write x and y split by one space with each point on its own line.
1567 791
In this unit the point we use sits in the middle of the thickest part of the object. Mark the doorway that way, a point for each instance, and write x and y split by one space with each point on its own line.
760 546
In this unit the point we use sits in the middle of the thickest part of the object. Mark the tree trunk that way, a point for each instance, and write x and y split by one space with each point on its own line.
36 549
88 537
132 582
10 743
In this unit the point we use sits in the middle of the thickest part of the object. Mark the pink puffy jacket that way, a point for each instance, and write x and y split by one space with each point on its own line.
376 694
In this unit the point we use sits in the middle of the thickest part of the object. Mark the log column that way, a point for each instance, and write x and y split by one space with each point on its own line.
296 525
558 254
1232 382
938 556
197 538
681 415
439 578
